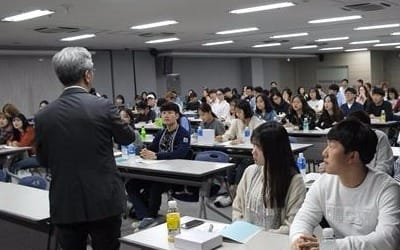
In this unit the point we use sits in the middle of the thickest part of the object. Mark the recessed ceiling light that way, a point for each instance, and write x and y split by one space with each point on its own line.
27 15
217 43
332 48
353 50
365 42
290 35
262 8
383 26
332 39
80 37
386 44
164 40
335 19
153 25
266 45
305 47
397 47
225 32
395 34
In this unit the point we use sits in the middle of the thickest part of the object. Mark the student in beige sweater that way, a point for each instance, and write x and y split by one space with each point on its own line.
271 191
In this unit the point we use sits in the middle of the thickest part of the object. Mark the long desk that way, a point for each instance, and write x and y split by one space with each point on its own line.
156 238
181 172
24 217
316 137
9 153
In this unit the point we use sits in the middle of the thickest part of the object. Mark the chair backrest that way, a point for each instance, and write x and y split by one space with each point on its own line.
216 156
33 181
2 176
185 123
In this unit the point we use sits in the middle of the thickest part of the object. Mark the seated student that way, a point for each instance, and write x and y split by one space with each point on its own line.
192 103
374 108
331 113
360 204
271 191
209 119
350 105
6 128
264 109
245 118
279 104
173 142
315 101
128 117
10 110
145 114
232 113
383 159
23 136
299 110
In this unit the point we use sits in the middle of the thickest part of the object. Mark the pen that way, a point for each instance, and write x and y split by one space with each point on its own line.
210 228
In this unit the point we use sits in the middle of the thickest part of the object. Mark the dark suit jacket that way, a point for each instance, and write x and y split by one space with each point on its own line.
74 136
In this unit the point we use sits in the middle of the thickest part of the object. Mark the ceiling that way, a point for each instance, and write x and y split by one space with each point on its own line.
198 21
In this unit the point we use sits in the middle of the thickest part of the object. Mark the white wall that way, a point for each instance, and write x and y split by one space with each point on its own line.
392 68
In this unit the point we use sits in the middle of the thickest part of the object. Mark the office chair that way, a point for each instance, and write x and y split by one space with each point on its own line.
34 181
185 123
2 176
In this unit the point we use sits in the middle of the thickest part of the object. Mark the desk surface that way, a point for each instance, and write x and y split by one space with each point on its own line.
180 167
296 147
310 133
156 238
30 204
377 123
7 150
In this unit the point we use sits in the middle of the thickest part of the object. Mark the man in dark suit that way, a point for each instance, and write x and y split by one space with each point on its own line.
74 136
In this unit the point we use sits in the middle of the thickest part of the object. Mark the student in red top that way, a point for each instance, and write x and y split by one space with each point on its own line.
23 133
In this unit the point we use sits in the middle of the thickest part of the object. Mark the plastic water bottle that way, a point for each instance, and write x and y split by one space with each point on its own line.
246 135
382 118
199 135
124 152
131 151
301 164
328 241
143 133
305 125
173 219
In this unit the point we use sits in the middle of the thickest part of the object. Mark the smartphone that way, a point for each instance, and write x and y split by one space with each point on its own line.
192 223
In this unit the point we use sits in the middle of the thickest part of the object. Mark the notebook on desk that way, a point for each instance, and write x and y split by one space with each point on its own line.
240 231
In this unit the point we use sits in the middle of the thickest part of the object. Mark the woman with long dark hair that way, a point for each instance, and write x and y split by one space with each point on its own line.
299 110
264 109
209 120
271 191
23 133
331 113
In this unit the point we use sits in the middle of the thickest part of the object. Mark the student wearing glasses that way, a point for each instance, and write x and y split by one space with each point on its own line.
271 191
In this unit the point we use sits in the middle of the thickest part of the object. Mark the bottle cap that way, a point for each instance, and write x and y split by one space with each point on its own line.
172 204
328 233
301 154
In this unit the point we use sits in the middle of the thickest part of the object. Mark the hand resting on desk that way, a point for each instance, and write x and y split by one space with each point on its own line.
148 154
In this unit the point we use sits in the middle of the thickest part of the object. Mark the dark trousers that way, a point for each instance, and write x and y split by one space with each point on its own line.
235 174
145 197
104 234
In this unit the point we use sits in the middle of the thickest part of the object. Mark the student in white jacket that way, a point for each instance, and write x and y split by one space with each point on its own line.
360 204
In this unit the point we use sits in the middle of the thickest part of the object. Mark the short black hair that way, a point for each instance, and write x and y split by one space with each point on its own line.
355 136
352 90
227 90
334 87
378 91
361 115
170 106
258 89
141 105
